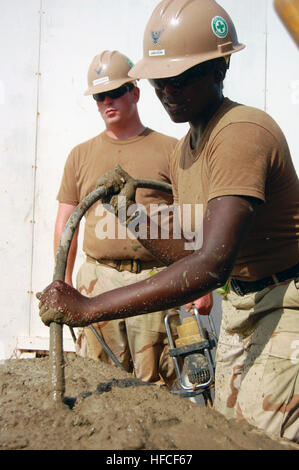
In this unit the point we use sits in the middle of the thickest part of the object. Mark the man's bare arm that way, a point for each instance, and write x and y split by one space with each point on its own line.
226 223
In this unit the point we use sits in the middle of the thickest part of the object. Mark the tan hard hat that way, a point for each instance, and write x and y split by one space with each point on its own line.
184 33
108 71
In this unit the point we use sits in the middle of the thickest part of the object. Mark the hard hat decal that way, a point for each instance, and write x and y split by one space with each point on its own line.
99 70
100 80
130 63
156 35
156 52
219 27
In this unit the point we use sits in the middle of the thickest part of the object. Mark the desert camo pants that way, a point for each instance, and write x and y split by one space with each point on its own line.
257 359
139 343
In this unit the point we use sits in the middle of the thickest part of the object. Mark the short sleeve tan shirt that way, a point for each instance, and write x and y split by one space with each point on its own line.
145 156
243 152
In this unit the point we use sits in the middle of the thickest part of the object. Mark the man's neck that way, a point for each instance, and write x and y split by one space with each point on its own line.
197 128
128 131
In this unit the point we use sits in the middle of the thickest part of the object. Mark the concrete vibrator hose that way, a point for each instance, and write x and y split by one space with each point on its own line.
57 378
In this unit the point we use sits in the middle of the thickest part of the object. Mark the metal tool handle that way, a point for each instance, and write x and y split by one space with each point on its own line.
199 388
167 317
57 376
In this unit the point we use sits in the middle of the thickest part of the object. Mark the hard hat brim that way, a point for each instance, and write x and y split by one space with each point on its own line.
163 67
108 86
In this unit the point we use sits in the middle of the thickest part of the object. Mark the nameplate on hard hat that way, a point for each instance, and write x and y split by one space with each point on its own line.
156 52
100 80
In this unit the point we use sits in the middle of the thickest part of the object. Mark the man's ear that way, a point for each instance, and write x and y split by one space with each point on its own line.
136 94
219 75
220 71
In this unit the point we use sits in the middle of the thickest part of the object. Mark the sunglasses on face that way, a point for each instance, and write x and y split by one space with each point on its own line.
184 79
113 94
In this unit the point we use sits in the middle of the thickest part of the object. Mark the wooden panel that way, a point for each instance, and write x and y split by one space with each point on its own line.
19 44
283 82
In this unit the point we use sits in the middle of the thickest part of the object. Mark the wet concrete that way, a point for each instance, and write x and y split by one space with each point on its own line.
106 408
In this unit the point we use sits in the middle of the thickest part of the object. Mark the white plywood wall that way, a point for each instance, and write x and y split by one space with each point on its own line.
45 50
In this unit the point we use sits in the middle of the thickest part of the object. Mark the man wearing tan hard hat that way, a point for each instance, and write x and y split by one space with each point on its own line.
235 161
139 342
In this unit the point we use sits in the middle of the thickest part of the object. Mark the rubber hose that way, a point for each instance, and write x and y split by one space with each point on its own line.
56 330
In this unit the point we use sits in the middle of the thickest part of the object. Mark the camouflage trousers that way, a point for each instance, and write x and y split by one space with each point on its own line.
257 371
139 343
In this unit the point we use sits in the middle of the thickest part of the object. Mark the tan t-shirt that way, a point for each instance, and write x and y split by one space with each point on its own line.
145 156
244 152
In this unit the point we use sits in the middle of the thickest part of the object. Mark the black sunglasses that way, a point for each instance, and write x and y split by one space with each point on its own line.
184 79
114 94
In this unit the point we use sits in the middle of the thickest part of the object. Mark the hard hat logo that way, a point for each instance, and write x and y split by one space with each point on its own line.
156 35
130 63
219 27
98 71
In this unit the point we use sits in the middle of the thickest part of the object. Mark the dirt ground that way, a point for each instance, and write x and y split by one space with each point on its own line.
109 409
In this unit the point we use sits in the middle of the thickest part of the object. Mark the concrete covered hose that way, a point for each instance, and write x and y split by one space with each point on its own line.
57 378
